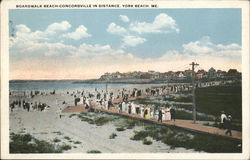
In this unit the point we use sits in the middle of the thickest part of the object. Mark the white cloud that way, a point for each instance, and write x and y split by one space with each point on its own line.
132 41
124 18
161 24
22 28
232 46
80 32
52 49
62 26
197 47
204 46
24 33
86 50
116 29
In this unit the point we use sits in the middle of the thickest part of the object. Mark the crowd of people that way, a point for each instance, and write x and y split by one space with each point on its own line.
25 105
121 101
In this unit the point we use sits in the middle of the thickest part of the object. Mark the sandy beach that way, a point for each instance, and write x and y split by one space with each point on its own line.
82 136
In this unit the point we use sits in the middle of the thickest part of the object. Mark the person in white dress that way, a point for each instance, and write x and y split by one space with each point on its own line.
142 111
152 112
163 114
123 107
133 106
156 114
167 114
81 100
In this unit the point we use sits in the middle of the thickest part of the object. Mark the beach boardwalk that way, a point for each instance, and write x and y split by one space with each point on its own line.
199 126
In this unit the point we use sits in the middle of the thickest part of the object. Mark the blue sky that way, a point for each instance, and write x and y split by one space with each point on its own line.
144 34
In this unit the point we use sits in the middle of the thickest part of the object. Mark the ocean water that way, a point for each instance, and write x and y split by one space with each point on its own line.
57 85
63 86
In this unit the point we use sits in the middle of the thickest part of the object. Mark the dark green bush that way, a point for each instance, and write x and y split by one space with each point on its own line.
112 136
94 151
27 144
120 129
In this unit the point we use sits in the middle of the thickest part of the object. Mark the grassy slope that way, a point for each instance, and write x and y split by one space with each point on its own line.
213 100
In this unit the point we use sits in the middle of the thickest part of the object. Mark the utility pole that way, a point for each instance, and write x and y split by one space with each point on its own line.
193 91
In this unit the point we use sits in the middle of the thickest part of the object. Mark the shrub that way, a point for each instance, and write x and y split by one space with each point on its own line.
56 140
94 151
65 147
120 129
147 142
72 115
139 135
112 136
130 123
101 121
58 133
77 142
27 144
66 137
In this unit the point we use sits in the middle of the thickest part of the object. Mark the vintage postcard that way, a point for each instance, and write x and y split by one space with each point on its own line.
125 80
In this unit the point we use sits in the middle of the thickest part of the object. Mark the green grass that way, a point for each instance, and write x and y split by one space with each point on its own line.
147 101
189 116
95 118
189 140
185 106
99 121
212 100
179 99
130 123
86 119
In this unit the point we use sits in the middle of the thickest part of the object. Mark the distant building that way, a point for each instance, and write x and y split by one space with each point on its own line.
221 74
188 73
211 73
201 74
233 73
180 75
145 75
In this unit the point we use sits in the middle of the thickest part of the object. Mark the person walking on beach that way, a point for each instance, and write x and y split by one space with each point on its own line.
19 103
28 106
228 125
24 103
